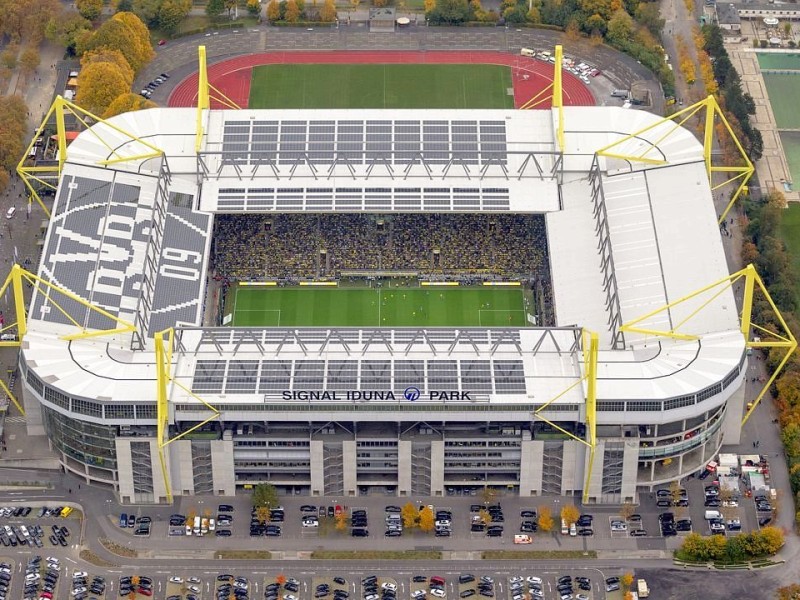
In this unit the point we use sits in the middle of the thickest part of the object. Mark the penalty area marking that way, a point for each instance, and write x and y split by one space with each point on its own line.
260 311
498 310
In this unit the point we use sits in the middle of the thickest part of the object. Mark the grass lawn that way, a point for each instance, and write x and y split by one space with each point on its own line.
381 86
390 307
790 232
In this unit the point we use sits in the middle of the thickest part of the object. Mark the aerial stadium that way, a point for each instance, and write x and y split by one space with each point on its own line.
409 302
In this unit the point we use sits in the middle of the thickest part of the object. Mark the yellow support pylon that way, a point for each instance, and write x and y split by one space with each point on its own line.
204 97
163 350
752 283
648 152
58 110
591 346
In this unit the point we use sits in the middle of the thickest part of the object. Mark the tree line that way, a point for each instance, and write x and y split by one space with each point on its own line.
737 104
764 247
731 549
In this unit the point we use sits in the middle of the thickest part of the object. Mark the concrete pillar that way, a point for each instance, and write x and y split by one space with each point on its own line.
572 473
222 467
404 462
159 484
349 466
437 468
630 469
734 411
33 411
317 468
124 469
530 469
596 482
180 468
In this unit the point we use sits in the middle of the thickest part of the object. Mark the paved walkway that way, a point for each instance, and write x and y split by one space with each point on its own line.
772 169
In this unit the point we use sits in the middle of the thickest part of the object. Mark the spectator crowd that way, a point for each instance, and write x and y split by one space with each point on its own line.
291 246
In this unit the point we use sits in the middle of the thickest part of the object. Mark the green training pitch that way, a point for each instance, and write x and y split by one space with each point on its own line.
381 86
387 307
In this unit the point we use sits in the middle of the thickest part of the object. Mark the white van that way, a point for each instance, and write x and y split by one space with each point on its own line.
522 539
527 52
713 514
11 212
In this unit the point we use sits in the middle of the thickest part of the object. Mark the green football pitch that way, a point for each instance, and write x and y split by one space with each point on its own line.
387 307
381 86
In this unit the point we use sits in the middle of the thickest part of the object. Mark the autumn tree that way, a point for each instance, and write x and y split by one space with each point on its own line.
89 9
620 27
147 11
13 132
626 510
8 58
274 11
788 592
109 55
427 520
341 520
292 12
327 13
29 59
570 514
410 515
485 516
627 581
124 32
546 522
263 514
488 494
99 84
254 8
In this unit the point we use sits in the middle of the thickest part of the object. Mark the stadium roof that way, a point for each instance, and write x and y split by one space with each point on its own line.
624 240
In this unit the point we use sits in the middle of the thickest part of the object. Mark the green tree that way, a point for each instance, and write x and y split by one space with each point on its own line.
67 30
89 9
410 515
147 11
172 12
265 494
214 8
620 27
99 84
451 12
427 520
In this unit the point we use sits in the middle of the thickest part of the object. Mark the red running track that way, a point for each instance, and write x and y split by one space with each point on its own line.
530 76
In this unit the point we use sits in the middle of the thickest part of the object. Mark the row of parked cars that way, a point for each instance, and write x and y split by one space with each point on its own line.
5 579
150 87
44 511
371 590
82 587
34 579
229 587
32 535
137 584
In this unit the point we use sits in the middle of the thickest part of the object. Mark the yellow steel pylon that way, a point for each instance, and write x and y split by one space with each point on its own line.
645 151
556 96
204 96
15 279
59 108
590 343
164 377
752 283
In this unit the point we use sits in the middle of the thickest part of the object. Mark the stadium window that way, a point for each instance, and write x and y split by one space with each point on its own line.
609 406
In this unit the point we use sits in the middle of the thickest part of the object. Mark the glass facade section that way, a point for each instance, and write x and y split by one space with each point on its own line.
87 443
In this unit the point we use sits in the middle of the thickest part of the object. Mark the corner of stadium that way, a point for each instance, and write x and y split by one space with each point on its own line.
401 301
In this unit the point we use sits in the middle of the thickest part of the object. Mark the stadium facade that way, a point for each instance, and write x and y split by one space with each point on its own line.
408 411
